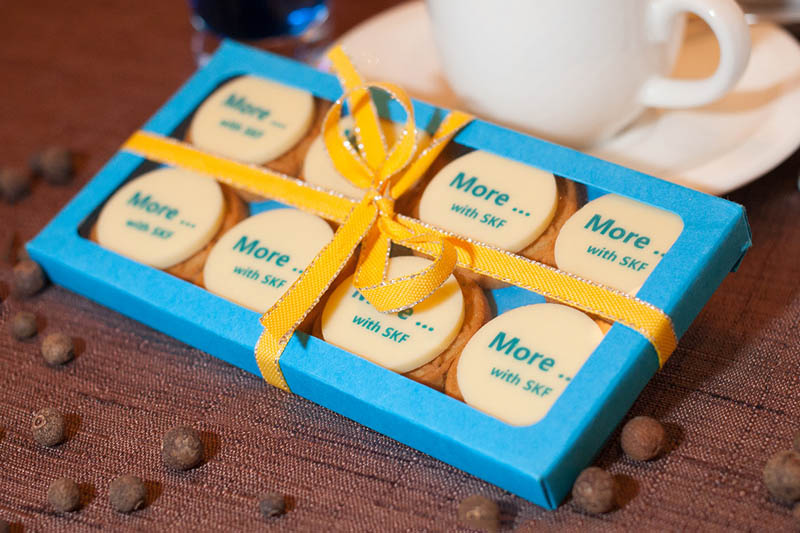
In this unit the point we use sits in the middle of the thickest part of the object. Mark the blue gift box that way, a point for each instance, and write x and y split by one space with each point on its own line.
537 462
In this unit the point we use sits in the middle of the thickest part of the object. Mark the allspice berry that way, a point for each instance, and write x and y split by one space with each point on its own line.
28 278
64 495
272 504
127 494
57 349
782 475
479 512
5 527
595 490
14 184
23 325
54 164
49 427
643 438
182 448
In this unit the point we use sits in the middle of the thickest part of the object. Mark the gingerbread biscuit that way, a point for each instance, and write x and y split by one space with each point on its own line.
476 314
451 387
150 220
235 211
260 122
529 218
347 320
256 261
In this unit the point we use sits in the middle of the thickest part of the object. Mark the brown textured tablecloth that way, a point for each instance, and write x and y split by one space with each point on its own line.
87 74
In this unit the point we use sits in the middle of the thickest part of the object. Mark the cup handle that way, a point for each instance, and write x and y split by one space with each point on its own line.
727 21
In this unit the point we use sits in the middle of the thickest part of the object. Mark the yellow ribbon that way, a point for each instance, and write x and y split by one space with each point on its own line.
385 174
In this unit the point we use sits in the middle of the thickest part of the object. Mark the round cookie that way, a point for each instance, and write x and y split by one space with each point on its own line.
255 262
451 387
616 241
251 119
420 342
192 268
517 365
476 314
242 101
152 220
492 199
501 202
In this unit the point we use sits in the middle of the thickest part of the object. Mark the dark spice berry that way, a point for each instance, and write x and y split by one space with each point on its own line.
14 184
64 495
54 164
22 255
479 512
796 514
28 278
49 427
5 527
643 438
272 504
58 349
595 490
23 325
782 475
127 494
182 448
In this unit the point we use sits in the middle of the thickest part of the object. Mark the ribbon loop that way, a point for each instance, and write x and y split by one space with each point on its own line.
371 167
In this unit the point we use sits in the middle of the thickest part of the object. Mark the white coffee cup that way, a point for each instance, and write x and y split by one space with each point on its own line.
578 71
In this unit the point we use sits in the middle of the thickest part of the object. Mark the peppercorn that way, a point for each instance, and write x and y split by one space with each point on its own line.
23 325
595 490
182 448
49 427
5 527
64 495
782 475
54 164
643 438
22 254
796 514
127 494
28 278
58 349
14 184
272 504
479 512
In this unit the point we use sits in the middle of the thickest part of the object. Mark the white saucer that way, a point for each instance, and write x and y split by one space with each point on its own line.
716 148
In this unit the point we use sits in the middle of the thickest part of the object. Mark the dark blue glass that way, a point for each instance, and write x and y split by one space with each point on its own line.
251 20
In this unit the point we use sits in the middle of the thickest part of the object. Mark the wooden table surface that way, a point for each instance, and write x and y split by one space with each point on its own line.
86 75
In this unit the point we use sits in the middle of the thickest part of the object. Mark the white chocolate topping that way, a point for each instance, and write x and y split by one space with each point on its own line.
491 199
162 217
258 259
517 365
252 120
616 241
398 341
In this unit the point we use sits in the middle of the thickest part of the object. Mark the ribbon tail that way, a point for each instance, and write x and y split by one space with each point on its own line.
283 318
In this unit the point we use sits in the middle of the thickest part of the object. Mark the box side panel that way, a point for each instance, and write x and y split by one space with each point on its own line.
411 413
150 296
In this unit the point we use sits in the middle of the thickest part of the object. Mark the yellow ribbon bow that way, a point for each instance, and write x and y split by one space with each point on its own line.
385 175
